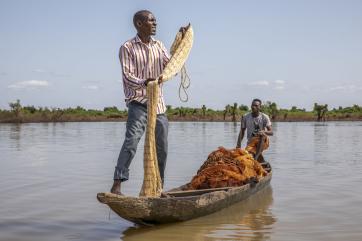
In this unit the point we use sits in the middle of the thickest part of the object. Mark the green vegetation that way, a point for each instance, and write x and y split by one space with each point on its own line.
18 113
320 112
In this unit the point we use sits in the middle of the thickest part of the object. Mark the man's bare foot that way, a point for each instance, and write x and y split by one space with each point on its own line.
116 187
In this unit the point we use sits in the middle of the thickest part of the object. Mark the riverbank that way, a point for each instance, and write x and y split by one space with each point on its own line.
31 114
172 118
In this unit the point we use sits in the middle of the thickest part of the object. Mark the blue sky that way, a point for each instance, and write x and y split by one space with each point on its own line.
65 53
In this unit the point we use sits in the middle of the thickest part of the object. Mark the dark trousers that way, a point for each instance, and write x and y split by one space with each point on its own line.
136 125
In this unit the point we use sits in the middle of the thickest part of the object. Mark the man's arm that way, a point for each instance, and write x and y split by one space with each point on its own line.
268 127
242 131
268 131
240 137
128 69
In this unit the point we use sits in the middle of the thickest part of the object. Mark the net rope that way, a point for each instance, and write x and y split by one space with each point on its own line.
184 85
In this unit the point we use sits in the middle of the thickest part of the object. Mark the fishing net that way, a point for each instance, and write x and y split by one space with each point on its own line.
227 168
152 185
180 50
254 142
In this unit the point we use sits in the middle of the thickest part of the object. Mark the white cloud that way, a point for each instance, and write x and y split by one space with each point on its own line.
29 84
279 82
259 83
279 87
39 71
345 88
91 87
52 73
337 88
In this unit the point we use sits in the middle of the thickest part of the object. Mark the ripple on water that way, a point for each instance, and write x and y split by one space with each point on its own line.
50 174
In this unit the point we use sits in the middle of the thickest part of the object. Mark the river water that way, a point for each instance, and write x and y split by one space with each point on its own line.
50 174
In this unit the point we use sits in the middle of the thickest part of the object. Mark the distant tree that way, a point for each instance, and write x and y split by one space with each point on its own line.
243 108
80 109
294 109
182 111
234 111
226 111
356 108
320 111
271 109
57 113
16 107
111 109
324 112
203 110
30 109
285 115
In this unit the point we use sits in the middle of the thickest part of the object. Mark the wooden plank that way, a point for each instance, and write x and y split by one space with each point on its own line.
195 192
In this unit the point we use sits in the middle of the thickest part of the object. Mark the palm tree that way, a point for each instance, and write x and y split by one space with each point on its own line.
16 107
227 110
320 110
203 110
233 111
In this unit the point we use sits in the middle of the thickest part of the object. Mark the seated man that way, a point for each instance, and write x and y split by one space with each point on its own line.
258 127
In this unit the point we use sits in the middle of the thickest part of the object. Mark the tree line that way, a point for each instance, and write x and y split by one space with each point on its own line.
231 112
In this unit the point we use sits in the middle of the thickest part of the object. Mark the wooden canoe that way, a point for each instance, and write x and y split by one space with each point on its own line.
177 205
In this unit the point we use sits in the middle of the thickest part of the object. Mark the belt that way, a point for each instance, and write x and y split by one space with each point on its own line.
134 102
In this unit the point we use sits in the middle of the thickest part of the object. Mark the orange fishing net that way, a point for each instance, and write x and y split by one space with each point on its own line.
253 144
227 168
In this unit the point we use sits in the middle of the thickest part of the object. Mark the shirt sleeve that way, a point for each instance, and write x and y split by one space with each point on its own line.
128 69
267 121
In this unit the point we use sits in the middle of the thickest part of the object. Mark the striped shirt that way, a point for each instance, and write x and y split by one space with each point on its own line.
140 62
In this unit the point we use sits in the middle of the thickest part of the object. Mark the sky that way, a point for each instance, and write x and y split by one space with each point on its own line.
295 53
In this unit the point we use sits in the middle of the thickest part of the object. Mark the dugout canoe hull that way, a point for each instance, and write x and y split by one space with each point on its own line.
179 205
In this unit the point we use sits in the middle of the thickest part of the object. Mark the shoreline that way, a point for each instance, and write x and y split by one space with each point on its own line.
171 119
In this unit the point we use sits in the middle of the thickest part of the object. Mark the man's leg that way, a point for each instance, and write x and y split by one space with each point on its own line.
161 143
136 123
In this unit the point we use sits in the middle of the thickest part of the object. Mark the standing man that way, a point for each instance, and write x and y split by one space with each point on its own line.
258 128
143 59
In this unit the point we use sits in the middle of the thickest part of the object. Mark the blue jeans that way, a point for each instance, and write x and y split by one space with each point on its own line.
136 125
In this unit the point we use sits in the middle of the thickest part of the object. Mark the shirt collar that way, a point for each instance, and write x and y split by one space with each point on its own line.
137 39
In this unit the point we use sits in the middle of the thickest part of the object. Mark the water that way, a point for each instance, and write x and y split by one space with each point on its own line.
50 174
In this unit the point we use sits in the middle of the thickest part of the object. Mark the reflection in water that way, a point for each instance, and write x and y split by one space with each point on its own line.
250 219
320 142
15 133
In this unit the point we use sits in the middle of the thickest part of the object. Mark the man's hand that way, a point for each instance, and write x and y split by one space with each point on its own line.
184 29
261 133
149 80
160 80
